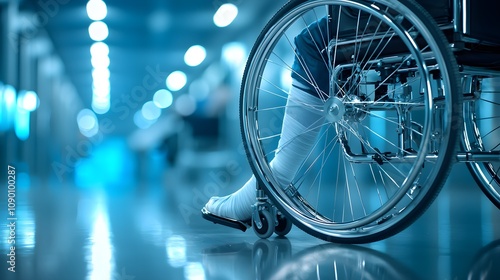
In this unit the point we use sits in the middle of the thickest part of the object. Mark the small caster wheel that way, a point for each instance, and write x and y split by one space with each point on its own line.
265 228
284 225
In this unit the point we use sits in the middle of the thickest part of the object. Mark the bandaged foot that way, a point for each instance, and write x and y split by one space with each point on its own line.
302 121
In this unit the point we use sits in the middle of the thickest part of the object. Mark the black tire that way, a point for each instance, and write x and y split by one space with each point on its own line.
435 151
267 228
489 185
482 134
284 225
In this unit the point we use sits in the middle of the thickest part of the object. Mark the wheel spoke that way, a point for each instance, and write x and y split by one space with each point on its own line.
355 172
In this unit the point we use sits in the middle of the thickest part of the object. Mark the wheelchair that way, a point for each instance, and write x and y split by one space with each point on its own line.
413 89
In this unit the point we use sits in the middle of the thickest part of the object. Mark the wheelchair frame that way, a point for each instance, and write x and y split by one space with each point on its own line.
426 89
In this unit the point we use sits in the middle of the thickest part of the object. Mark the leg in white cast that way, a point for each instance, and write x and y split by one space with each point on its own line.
301 124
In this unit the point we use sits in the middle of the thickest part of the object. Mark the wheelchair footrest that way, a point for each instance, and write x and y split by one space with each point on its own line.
241 225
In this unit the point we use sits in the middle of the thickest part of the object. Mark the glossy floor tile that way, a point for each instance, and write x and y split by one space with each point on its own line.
153 230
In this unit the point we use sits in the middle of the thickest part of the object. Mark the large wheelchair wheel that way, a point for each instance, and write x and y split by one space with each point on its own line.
392 116
482 133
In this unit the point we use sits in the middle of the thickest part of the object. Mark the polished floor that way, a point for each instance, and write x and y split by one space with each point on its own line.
153 230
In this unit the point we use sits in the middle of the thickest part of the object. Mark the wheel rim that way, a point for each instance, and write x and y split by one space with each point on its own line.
258 110
267 228
481 133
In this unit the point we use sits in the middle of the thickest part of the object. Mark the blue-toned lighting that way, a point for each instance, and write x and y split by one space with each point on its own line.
101 74
7 106
163 98
225 15
141 122
9 96
98 31
101 95
150 111
97 10
286 79
100 62
22 124
101 108
101 104
102 86
176 251
87 123
199 89
86 120
194 270
102 100
185 105
176 80
28 100
101 262
99 49
195 55
97 169
234 54
101 90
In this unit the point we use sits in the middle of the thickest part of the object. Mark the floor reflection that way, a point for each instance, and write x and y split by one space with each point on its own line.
273 259
100 256
486 264
140 233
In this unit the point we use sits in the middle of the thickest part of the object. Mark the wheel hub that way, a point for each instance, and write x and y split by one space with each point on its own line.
334 109
350 110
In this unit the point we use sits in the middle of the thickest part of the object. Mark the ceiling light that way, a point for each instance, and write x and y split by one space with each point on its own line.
195 55
87 123
176 80
141 122
234 54
100 89
8 96
101 101
100 62
150 111
86 120
225 15
163 98
99 49
101 82
28 100
98 31
100 105
96 10
100 74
